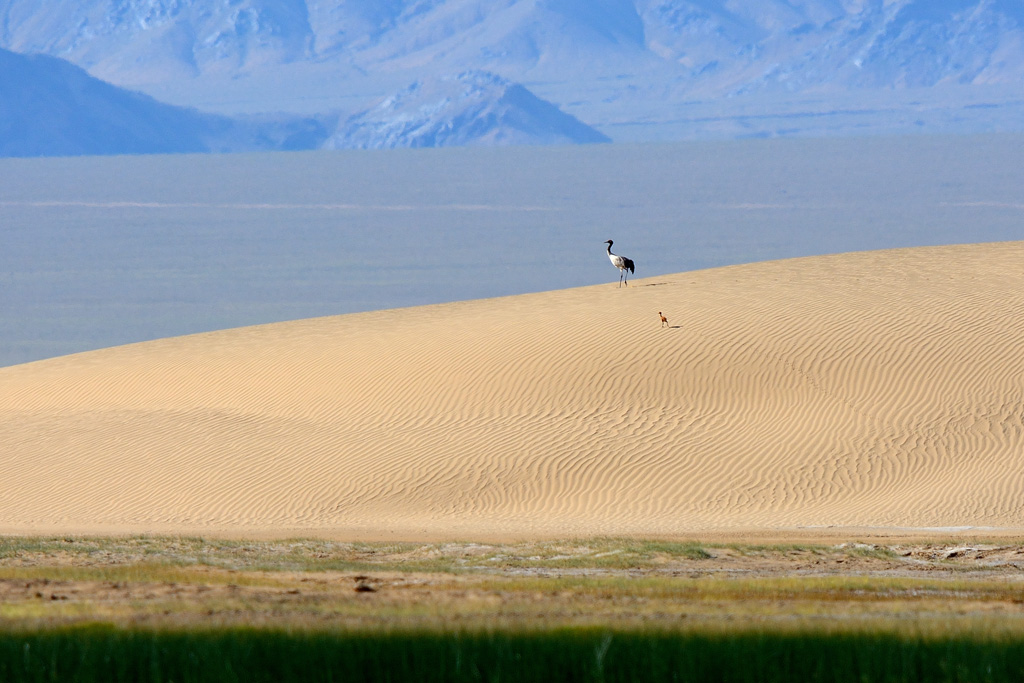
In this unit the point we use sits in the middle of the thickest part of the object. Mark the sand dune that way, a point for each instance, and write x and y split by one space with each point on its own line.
881 389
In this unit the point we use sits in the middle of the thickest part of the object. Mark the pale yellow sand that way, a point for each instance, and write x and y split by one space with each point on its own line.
869 390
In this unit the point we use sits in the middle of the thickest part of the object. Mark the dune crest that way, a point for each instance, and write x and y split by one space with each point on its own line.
877 389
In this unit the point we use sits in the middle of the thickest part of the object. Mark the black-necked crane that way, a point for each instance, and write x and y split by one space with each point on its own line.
620 262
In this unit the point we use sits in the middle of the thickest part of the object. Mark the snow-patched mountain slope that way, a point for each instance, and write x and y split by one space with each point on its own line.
867 43
49 107
144 41
470 108
137 41
617 65
704 42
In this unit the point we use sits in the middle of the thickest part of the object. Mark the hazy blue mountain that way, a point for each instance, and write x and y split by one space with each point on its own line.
471 108
49 107
140 41
127 41
866 42
640 68
825 67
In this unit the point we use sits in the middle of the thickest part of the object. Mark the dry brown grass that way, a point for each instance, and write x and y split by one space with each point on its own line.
625 583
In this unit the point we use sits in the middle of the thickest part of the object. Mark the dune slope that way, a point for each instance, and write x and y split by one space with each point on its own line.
880 389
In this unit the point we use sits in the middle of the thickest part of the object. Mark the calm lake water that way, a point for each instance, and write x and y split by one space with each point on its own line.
110 250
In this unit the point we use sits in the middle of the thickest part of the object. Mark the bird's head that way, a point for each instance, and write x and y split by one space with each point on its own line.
609 242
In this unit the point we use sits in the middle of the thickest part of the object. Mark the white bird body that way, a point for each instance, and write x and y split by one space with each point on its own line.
620 262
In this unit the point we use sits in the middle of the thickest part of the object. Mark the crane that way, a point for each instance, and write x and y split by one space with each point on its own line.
620 262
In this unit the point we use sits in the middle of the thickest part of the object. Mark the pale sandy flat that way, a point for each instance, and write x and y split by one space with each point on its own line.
878 391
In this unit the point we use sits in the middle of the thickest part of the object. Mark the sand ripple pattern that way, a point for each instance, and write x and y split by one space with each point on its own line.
880 389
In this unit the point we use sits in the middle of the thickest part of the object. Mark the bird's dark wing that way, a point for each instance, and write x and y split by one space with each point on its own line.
628 264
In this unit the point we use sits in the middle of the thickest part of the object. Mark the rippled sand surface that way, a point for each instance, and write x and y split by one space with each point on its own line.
875 389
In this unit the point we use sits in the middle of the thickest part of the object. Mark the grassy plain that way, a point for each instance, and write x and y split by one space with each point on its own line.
174 608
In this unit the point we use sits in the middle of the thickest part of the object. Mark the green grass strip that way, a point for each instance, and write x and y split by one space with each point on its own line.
109 654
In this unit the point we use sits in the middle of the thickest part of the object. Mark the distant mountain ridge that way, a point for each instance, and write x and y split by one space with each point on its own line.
49 107
614 64
730 45
865 43
471 108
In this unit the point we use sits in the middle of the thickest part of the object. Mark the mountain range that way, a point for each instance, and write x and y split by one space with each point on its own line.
471 108
629 69
49 107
